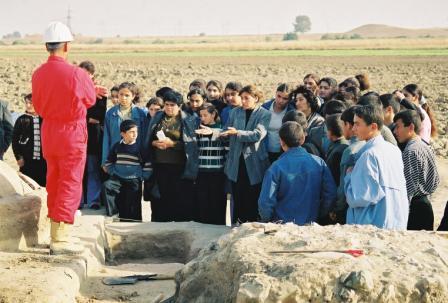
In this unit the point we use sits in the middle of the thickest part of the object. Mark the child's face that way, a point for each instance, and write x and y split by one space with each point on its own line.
29 107
213 92
196 101
310 84
281 98
232 97
125 97
206 117
325 90
130 135
114 97
302 104
347 130
153 109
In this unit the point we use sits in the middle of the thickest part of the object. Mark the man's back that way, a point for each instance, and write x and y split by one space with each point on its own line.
62 91
376 188
296 188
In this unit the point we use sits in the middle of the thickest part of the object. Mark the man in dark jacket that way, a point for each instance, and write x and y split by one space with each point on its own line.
6 127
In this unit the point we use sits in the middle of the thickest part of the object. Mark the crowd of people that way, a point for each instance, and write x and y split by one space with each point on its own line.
317 151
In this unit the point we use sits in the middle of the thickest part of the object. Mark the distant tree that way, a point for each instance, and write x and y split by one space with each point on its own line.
302 24
290 36
326 37
13 35
355 36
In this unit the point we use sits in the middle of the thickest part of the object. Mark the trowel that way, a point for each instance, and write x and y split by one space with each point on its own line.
135 278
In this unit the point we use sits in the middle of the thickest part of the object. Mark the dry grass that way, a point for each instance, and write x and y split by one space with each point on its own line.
240 43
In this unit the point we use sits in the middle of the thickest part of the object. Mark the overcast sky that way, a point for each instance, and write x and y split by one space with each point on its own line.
190 17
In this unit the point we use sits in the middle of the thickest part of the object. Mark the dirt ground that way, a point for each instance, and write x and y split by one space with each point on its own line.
387 73
150 73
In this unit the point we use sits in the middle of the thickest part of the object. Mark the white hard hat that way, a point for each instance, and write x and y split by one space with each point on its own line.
57 32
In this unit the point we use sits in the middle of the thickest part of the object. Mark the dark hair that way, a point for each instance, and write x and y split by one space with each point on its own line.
334 107
296 116
349 115
291 133
211 109
284 88
127 125
414 90
162 91
335 125
315 77
198 83
371 98
133 88
309 96
27 97
409 117
354 91
215 83
253 91
364 81
390 100
114 88
331 82
156 101
197 91
349 82
432 118
233 85
88 66
54 46
370 114
173 96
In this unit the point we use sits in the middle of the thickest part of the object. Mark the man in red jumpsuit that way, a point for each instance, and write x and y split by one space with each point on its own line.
62 92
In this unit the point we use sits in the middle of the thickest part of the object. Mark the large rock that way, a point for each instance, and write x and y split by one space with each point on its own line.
239 267
23 211
10 182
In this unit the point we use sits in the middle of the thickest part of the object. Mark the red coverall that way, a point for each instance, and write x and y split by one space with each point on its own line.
61 95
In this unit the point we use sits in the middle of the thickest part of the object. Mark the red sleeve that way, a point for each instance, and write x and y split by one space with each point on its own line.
85 89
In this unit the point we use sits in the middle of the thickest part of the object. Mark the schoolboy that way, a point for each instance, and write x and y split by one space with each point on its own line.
126 170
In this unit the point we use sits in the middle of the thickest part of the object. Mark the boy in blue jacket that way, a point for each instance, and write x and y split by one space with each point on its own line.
123 191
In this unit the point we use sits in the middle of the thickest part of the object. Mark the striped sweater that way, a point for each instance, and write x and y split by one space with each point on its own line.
211 152
125 161
420 169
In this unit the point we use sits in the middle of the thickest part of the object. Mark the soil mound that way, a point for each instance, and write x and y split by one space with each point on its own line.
239 267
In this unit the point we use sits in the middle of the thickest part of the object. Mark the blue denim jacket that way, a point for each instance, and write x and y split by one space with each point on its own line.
298 188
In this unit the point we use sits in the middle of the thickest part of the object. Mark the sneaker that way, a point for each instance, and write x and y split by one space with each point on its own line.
94 206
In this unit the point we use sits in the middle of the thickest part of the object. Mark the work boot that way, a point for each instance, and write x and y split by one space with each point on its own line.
61 243
72 239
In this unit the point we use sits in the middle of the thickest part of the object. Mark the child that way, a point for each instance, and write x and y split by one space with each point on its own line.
154 105
211 197
114 95
337 146
196 98
125 167
232 99
124 110
26 144
214 95
95 124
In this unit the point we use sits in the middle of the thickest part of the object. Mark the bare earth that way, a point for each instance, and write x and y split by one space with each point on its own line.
386 73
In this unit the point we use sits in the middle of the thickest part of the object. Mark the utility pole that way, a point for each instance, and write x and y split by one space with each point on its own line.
69 19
